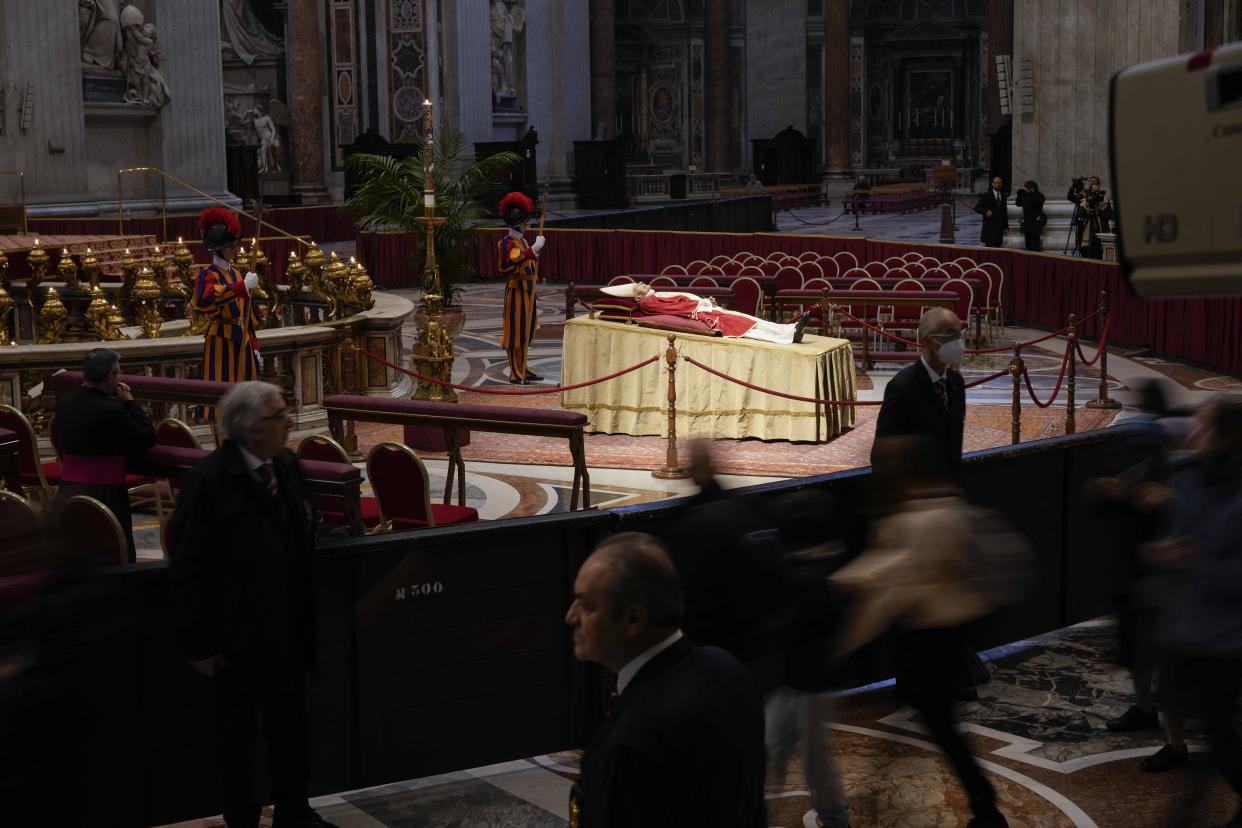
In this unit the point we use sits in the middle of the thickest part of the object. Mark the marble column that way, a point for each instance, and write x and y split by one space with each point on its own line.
1000 42
1213 23
717 70
604 69
560 106
304 63
837 86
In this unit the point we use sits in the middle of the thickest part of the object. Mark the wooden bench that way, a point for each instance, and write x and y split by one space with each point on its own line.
339 482
453 417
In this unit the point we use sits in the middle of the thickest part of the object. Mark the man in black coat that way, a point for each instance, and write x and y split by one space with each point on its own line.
928 397
241 586
99 429
683 742
991 205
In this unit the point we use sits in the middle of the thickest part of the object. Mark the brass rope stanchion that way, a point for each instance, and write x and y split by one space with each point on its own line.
672 466
1103 400
1071 426
1016 367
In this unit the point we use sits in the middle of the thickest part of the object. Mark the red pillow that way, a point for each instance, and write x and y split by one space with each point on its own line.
676 324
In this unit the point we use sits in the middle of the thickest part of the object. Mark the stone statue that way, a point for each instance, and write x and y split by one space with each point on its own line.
508 19
144 84
99 28
244 34
271 153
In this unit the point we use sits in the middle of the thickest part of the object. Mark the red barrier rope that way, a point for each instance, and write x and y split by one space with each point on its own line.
1026 375
973 351
775 393
1099 349
511 392
988 378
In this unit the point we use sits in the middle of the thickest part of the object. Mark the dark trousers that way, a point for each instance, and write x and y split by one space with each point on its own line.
936 670
1219 681
284 726
1034 238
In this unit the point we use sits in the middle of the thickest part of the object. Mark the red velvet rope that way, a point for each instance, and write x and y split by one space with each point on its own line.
1026 375
976 351
1099 349
511 392
775 393
988 378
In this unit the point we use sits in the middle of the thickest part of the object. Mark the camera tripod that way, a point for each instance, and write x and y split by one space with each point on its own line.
1076 229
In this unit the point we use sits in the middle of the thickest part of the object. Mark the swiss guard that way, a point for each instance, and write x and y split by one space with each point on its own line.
517 265
230 347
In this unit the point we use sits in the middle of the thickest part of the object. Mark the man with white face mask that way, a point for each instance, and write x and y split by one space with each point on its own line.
929 396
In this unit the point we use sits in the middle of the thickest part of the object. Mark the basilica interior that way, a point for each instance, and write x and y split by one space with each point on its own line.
469 429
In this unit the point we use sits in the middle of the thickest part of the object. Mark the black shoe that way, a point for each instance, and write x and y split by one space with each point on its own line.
994 821
800 326
1167 758
1133 719
533 377
516 380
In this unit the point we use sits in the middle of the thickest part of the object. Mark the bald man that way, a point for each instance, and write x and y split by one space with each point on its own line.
928 397
683 741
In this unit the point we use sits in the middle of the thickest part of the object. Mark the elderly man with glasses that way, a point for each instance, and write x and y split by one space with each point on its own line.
241 583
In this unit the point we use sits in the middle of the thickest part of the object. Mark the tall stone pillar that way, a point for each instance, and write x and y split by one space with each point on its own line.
1214 28
603 69
719 100
837 86
304 63
1000 42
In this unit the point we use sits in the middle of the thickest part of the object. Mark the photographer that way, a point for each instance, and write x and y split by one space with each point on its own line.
1031 200
1096 210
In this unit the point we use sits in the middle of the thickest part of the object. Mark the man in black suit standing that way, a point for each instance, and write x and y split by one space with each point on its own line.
928 397
241 585
991 205
683 741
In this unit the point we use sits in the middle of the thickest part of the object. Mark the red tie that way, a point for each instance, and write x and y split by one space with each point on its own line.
267 478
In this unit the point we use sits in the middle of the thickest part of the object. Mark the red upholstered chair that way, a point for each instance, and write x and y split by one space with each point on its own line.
703 281
400 482
829 267
21 538
894 261
875 270
91 531
326 450
809 256
855 273
696 267
663 283
912 257
811 270
745 256
788 278
965 261
816 284
750 270
915 269
817 315
996 309
769 268
954 269
168 537
905 317
747 296
711 270
845 260
965 297
865 283
41 476
730 268
172 432
673 270
898 273
621 280
931 261
936 275
720 261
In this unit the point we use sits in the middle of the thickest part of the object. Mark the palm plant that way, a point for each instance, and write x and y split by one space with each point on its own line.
390 196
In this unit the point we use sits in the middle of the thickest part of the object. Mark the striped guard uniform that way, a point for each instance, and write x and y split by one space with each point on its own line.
517 264
229 344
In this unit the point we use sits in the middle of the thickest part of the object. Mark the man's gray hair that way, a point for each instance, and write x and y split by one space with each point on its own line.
642 574
931 319
242 408
98 364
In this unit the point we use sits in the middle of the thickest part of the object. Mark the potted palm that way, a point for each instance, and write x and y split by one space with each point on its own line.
390 197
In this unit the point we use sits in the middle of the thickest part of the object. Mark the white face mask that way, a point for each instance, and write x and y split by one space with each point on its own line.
951 353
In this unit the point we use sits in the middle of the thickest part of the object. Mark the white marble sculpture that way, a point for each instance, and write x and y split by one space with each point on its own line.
143 82
99 28
245 34
508 20
270 152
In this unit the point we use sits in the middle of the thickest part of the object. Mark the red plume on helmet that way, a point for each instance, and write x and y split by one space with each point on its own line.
519 200
219 215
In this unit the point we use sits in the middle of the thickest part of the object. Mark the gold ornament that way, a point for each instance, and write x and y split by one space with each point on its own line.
36 259
159 268
6 308
99 317
183 260
129 273
332 283
115 319
146 296
90 269
363 286
4 272
68 269
296 272
52 318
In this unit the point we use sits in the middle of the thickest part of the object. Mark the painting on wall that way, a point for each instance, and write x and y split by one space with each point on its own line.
929 110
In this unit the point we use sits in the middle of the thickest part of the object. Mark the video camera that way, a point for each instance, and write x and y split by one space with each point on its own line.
1179 225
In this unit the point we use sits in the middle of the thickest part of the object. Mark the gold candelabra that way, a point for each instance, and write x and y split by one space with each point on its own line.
99 317
433 348
183 260
68 270
333 281
159 268
6 308
37 261
146 296
129 273
90 269
362 285
4 271
52 318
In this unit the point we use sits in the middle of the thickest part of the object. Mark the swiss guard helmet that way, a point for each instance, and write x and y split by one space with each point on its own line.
515 209
219 227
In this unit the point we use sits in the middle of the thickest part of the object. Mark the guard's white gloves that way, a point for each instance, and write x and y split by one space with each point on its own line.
252 279
538 245
258 358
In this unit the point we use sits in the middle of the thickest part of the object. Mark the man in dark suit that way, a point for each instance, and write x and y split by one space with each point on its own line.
991 205
99 429
928 397
683 742
241 585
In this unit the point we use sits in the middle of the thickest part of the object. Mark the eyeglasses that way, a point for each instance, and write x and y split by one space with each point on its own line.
946 336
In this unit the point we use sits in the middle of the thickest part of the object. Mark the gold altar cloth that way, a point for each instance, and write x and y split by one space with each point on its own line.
707 406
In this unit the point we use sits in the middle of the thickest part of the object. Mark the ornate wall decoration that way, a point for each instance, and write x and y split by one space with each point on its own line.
697 112
665 103
985 144
858 137
508 30
343 92
407 82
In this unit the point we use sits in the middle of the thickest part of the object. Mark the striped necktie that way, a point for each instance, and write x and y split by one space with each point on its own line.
942 392
267 477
